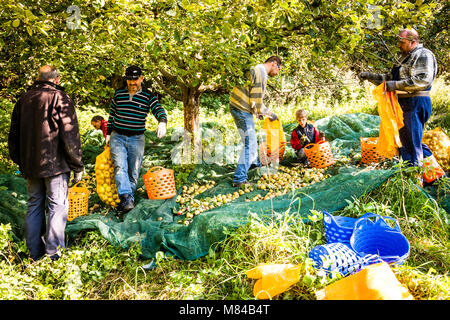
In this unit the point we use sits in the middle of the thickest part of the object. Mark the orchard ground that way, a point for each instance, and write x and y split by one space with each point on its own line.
94 269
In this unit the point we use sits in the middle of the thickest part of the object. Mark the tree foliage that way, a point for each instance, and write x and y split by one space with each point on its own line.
187 47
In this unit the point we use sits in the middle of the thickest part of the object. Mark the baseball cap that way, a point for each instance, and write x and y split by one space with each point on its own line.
133 73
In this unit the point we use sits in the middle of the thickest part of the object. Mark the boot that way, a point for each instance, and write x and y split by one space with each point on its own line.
126 203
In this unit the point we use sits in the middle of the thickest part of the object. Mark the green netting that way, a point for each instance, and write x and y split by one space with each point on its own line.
155 226
193 241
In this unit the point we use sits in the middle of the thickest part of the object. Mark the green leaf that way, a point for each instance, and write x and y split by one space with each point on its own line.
16 23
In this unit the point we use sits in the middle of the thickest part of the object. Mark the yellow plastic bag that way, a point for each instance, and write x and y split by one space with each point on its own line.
375 282
391 115
104 173
273 279
273 149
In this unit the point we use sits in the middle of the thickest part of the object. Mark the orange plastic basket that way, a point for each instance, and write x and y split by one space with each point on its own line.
369 152
319 154
160 183
78 201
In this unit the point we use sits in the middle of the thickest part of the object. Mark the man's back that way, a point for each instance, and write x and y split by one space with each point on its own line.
44 137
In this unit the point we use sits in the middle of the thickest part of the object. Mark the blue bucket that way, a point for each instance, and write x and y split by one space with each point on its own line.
377 237
338 257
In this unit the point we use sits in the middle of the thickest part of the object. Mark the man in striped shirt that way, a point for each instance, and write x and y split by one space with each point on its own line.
246 101
125 132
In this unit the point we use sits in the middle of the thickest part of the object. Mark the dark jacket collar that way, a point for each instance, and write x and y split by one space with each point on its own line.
40 83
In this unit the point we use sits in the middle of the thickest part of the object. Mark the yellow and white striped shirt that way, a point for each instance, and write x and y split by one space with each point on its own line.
249 97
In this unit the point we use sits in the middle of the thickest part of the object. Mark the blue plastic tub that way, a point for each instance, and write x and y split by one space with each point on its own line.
377 237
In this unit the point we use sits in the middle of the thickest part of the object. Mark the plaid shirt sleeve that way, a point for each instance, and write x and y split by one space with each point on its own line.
419 72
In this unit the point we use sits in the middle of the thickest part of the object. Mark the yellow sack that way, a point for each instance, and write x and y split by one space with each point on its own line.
273 279
104 173
391 115
439 144
273 149
374 282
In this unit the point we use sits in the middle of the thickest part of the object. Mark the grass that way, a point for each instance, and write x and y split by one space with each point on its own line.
94 269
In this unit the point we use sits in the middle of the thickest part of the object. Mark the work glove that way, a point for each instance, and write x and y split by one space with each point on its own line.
302 141
161 130
364 75
273 117
321 135
273 279
77 177
108 137
390 86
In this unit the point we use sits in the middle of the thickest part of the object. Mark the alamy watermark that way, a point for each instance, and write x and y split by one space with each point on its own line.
214 146
375 20
74 21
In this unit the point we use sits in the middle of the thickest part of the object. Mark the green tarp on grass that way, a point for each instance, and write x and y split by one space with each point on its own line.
154 225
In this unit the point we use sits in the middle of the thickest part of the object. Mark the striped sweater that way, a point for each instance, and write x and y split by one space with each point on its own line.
127 114
249 98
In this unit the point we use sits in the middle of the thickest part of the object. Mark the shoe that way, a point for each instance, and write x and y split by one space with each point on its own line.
253 166
126 203
240 184
54 257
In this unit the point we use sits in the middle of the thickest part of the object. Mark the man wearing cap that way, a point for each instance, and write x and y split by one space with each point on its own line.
411 79
125 132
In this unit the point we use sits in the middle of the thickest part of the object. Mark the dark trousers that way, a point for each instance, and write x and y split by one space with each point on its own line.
42 238
416 112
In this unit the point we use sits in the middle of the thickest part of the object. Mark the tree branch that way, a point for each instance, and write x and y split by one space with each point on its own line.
169 91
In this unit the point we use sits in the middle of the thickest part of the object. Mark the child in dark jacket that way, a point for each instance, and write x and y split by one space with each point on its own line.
304 134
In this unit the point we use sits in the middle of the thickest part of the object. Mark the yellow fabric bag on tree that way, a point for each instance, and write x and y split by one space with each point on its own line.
273 279
391 115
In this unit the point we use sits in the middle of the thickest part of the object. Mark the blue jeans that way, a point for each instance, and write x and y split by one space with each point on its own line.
41 239
416 112
127 153
249 155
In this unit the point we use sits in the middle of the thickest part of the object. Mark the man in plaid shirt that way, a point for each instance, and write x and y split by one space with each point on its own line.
411 79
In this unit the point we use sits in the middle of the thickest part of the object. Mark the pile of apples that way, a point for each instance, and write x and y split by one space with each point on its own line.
439 144
281 182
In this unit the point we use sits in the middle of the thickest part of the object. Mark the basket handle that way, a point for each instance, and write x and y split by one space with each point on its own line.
327 217
309 144
76 184
380 220
156 167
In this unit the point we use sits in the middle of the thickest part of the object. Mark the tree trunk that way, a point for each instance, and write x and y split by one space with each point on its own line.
191 106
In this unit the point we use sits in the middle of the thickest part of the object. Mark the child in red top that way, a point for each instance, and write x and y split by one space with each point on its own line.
100 124
304 134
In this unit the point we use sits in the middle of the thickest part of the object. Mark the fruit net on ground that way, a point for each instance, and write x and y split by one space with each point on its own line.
206 204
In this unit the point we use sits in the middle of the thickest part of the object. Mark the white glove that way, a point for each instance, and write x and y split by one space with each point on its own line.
77 177
161 130
107 139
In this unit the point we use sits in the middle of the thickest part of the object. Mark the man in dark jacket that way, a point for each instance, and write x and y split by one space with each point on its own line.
45 142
